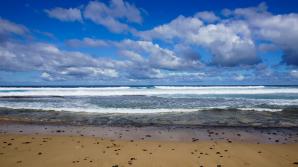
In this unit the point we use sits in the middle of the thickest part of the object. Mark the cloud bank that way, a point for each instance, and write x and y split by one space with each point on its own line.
229 45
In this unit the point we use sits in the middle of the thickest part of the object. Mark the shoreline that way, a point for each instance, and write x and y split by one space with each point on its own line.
287 118
159 133
34 138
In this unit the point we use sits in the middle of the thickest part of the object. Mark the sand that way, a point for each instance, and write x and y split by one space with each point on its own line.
31 150
35 145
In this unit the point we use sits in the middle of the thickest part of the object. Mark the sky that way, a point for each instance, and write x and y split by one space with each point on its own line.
141 42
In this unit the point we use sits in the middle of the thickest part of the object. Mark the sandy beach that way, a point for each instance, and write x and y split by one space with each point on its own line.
49 145
140 83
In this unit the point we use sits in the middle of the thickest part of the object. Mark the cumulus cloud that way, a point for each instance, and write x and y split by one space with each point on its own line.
143 59
233 40
281 29
70 14
158 57
110 15
52 62
175 29
229 42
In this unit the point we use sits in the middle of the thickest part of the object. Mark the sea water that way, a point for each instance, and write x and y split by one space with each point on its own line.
149 99
264 106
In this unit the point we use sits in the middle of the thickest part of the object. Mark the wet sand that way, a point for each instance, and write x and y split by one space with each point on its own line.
52 145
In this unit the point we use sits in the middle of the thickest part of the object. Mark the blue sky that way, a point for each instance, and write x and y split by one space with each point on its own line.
148 42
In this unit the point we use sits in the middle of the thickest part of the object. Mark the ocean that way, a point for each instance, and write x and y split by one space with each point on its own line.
198 105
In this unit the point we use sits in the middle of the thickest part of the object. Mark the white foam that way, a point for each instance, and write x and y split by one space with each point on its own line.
130 110
209 87
103 110
158 90
260 109
63 88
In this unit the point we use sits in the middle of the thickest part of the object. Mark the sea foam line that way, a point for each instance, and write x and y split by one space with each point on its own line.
137 110
71 92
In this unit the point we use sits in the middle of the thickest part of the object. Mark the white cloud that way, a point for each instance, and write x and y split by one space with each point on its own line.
207 16
122 9
229 45
132 55
90 72
281 29
176 28
229 42
86 42
110 15
71 14
53 62
232 41
158 57
7 27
